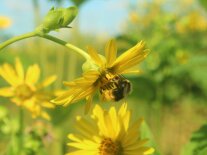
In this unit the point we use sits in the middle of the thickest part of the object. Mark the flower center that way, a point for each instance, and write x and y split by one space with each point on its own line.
23 92
108 147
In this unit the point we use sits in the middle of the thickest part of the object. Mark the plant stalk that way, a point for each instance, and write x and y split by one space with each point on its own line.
17 38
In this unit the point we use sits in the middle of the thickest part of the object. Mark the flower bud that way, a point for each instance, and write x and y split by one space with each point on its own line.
57 18
89 65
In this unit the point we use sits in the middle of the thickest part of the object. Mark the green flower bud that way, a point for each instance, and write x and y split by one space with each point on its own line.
89 65
57 18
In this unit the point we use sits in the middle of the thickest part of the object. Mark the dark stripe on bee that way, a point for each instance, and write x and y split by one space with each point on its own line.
118 86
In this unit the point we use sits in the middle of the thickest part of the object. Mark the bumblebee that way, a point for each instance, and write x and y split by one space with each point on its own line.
114 87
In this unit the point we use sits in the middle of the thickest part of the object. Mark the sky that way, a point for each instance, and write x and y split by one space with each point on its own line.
99 17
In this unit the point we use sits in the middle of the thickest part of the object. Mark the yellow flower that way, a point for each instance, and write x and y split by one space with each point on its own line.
134 18
24 90
104 74
4 22
197 22
108 133
182 57
193 22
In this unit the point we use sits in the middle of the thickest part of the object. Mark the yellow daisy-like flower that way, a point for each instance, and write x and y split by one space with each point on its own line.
133 17
24 90
104 74
108 133
4 22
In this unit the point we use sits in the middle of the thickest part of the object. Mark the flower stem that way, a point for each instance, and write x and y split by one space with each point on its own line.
21 130
14 39
46 36
70 46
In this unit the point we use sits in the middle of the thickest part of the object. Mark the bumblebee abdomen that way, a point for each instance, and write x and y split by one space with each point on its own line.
115 89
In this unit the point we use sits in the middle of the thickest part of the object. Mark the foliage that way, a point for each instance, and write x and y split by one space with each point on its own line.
203 3
198 143
173 73
78 3
175 66
146 133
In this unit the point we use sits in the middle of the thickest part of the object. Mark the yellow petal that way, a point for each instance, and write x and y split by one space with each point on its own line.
84 92
131 72
47 105
149 151
73 95
110 52
85 145
19 69
48 81
45 115
98 114
83 152
74 138
88 79
138 48
31 104
138 151
81 82
76 95
108 121
6 92
133 133
94 55
63 97
72 98
17 101
131 63
69 83
135 143
130 58
123 109
86 128
115 121
88 103
91 75
8 73
33 74
126 119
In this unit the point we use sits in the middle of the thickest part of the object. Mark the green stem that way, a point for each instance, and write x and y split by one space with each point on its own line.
12 40
70 46
46 36
21 130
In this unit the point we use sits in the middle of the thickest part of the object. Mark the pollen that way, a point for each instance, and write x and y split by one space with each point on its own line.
108 147
23 92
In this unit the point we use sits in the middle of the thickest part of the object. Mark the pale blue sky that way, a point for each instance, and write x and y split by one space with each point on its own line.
96 16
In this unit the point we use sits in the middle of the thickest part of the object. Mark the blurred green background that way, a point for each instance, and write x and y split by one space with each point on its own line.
171 91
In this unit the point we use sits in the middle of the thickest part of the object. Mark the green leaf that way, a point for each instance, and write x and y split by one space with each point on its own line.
203 3
78 2
198 143
147 134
